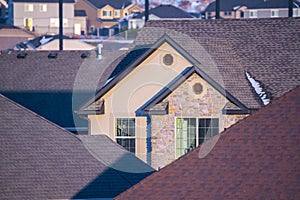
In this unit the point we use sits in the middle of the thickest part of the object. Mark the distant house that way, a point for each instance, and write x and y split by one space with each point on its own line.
106 13
80 27
40 160
252 9
42 16
3 11
54 83
186 81
258 158
159 12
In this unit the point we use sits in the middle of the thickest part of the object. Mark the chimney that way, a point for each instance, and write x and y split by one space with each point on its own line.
291 8
60 10
146 10
218 9
99 51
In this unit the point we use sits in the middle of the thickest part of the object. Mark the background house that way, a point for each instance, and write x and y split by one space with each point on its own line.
42 16
159 12
256 158
3 11
80 27
251 9
105 14
187 80
40 160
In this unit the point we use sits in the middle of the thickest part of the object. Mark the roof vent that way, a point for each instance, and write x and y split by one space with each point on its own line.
85 55
22 55
52 55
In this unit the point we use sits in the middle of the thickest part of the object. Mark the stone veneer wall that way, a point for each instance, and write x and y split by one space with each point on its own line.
183 102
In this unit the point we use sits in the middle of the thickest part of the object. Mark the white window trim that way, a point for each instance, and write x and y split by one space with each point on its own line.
197 128
118 15
276 11
253 11
54 22
107 11
28 7
126 137
41 6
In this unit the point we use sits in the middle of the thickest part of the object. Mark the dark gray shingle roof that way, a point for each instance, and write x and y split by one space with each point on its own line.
117 4
167 11
228 5
40 160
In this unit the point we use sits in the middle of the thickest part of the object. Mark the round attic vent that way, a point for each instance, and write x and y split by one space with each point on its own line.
198 88
168 59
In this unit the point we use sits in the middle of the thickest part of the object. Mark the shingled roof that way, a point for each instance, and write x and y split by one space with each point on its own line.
167 11
250 4
116 4
257 158
44 1
226 51
268 49
40 160
54 87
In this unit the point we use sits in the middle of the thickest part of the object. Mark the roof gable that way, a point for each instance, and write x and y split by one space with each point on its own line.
256 158
149 107
116 4
134 58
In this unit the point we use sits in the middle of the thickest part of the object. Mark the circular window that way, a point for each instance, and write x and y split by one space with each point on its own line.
198 88
168 59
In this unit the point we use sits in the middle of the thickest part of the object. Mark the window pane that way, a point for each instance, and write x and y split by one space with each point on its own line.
125 132
208 128
185 135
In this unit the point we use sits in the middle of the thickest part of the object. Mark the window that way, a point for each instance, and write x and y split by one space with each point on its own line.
106 13
274 13
191 132
253 14
117 13
54 22
28 7
28 24
43 7
227 13
125 133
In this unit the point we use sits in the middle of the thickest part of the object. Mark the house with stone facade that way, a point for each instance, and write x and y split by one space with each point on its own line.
186 81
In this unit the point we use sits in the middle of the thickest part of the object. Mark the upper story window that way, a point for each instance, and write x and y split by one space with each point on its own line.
125 133
117 13
191 132
54 22
227 13
106 13
253 14
28 7
43 7
274 13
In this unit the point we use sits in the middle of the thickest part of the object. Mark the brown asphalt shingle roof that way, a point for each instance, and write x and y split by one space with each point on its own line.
257 158
40 160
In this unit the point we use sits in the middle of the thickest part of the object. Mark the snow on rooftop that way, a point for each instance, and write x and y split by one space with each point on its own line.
258 89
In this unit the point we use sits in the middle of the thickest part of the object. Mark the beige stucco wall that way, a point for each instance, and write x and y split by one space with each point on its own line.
137 88
82 22
91 13
41 20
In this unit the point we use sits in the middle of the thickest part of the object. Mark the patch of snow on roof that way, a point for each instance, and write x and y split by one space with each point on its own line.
45 40
258 89
236 7
109 80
